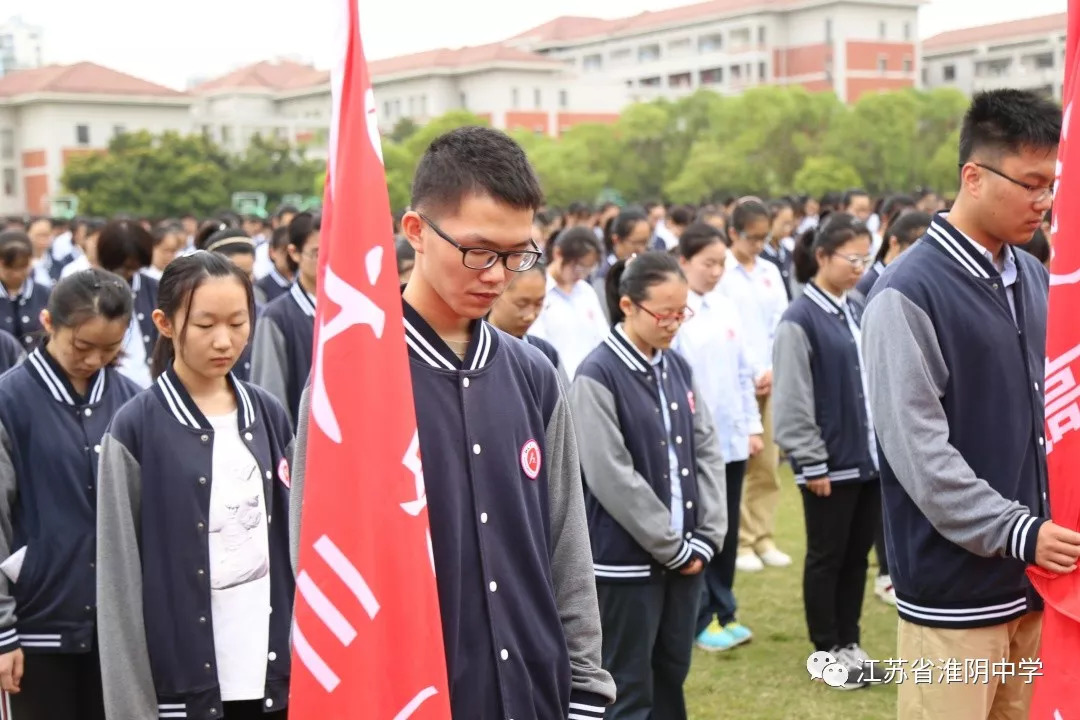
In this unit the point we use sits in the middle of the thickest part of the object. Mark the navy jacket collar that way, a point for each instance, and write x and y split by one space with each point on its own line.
426 345
955 245
174 396
626 351
24 292
53 378
278 278
303 299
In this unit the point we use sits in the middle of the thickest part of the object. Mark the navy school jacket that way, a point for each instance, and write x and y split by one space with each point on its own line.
50 439
624 446
957 395
11 352
144 298
819 404
272 286
155 626
282 351
521 627
783 261
868 280
19 314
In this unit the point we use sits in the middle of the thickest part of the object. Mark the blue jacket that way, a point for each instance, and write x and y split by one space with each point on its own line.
783 261
155 625
282 350
868 280
50 439
19 314
957 396
272 286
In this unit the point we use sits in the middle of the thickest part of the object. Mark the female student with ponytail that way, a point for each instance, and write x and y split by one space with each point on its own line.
654 487
54 410
194 583
823 422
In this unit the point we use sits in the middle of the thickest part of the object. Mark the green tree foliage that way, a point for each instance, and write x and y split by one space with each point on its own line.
270 166
824 173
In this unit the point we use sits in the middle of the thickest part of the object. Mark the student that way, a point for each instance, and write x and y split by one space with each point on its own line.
713 342
627 235
11 352
194 583
515 548
955 339
40 232
823 422
23 299
125 247
282 350
572 319
518 307
654 479
54 410
278 279
782 222
858 204
757 289
899 236
235 245
168 241
406 258
86 244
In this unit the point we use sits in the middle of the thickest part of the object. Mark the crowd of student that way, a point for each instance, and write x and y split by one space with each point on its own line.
156 377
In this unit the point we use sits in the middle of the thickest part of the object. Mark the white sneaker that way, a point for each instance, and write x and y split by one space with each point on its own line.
883 588
852 658
749 562
774 558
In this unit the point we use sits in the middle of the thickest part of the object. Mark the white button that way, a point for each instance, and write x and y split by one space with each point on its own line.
247 436
1041 441
267 474
146 338
269 702
204 438
685 472
674 406
689 504
465 382
97 449
1036 387
504 655
665 376
689 535
141 316
483 517
87 412
476 449
272 656
493 586
678 439
25 319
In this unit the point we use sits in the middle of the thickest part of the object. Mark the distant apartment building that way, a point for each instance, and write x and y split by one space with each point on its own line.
1028 54
20 46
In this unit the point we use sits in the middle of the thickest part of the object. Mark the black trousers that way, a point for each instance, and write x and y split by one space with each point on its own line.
879 544
251 710
839 532
718 597
649 632
59 687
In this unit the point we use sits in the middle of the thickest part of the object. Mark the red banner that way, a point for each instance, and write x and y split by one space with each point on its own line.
367 637
1056 697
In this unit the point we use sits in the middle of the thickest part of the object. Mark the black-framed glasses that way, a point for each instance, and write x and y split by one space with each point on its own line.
478 258
667 321
1035 193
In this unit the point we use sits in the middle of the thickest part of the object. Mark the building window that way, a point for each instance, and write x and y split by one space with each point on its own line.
82 135
538 98
386 109
118 130
514 100
993 68
679 47
828 29
226 134
907 31
1042 61
423 106
412 106
740 38
711 43
680 80
712 76
648 53
882 63
621 55
907 64
564 99
762 71
882 30
761 36
9 182
736 73
650 82
463 100
397 108
948 72
593 63
7 144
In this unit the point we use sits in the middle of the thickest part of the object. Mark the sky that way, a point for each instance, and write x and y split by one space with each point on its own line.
175 43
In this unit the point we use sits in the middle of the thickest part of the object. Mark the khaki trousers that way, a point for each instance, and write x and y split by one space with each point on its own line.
761 491
973 696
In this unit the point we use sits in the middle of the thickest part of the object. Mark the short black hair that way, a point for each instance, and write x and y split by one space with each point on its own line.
474 160
123 240
1006 121
852 194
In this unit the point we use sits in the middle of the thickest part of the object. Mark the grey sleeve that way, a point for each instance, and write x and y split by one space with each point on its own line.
795 425
712 519
610 475
126 679
269 363
9 636
571 561
903 357
296 476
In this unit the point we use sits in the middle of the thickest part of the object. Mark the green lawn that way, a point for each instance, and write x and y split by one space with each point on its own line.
767 679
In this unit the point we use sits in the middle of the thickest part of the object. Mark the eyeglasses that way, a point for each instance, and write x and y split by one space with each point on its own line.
668 321
859 261
478 258
1036 193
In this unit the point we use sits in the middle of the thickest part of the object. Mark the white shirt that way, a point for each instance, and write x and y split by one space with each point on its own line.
574 323
713 342
264 264
77 265
1007 268
761 299
239 565
152 272
133 362
671 240
856 332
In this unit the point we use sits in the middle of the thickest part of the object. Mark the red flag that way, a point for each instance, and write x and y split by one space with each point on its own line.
367 637
1055 691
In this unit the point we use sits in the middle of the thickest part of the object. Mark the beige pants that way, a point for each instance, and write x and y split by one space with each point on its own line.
972 699
761 491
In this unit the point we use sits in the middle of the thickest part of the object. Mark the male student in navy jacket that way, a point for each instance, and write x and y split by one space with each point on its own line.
954 339
521 627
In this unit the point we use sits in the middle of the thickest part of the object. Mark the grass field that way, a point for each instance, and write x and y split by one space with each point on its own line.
767 679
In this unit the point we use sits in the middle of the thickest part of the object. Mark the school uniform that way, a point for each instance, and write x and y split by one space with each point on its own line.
282 351
782 258
713 342
572 321
20 313
957 350
187 627
654 497
551 354
142 333
272 286
50 439
823 422
868 280
11 352
508 534
599 282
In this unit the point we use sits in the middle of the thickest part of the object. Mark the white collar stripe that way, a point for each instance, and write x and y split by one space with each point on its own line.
99 387
879 267
419 351
278 278
818 298
427 346
482 347
136 283
176 402
953 248
249 413
303 299
59 392
629 361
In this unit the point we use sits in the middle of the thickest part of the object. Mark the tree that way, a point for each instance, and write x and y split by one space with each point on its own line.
418 143
405 128
822 174
272 166
399 172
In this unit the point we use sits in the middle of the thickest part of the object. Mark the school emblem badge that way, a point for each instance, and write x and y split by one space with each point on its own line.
283 473
690 402
530 459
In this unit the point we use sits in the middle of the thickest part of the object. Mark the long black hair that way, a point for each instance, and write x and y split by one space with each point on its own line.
574 244
88 294
633 278
301 228
182 277
622 225
906 229
838 229
696 238
123 240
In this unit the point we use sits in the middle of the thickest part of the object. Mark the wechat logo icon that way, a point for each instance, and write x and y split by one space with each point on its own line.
823 666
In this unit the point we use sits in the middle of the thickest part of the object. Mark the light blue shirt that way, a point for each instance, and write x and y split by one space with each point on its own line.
856 332
1007 269
657 362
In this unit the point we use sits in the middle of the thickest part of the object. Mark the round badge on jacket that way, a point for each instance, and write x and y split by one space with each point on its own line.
530 459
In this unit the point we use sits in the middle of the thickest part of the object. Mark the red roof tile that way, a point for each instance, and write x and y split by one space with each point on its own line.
458 58
83 77
1016 29
267 75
